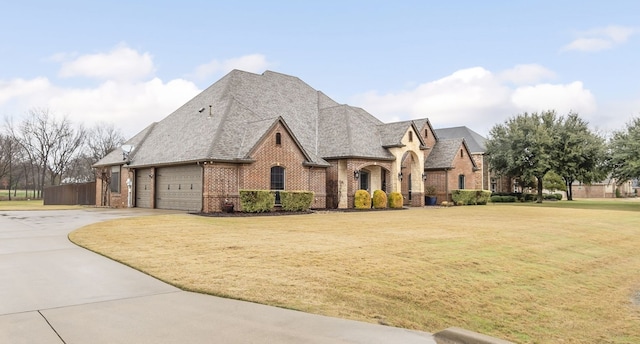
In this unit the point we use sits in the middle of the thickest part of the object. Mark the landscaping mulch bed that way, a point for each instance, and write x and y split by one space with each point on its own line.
285 213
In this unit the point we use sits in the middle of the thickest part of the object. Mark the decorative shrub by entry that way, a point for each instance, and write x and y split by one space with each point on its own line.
362 200
379 199
296 200
257 201
395 200
468 197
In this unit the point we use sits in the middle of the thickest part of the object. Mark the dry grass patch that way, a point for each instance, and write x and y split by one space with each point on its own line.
33 205
528 274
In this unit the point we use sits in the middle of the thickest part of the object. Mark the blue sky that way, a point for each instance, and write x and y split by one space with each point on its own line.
473 63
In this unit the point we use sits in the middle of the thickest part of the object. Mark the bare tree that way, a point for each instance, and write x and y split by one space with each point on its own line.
5 161
69 145
102 139
49 143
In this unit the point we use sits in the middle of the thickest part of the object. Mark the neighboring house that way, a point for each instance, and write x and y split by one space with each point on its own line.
604 189
272 131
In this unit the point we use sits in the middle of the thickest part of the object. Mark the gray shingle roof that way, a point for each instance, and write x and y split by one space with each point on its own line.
243 106
475 141
443 154
391 134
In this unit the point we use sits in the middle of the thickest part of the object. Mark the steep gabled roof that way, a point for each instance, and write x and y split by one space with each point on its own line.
475 141
391 134
237 109
346 131
444 153
225 122
115 157
421 122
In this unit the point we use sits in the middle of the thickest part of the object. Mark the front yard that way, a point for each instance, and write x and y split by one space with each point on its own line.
526 273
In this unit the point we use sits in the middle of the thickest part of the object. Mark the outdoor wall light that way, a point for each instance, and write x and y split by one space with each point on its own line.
151 176
424 176
400 176
356 174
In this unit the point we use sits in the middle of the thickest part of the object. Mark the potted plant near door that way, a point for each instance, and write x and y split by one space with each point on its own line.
227 206
430 195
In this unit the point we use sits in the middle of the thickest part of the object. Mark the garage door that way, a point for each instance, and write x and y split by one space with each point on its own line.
143 188
179 187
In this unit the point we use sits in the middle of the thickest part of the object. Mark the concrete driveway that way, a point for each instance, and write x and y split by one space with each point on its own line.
52 291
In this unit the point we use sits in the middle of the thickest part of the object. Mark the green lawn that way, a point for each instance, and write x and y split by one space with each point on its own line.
527 273
19 195
624 204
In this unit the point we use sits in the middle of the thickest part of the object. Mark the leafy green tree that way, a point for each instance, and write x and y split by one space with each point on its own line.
522 146
578 153
553 182
625 152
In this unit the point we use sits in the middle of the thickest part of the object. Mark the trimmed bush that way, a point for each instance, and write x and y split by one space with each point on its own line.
553 197
296 200
395 200
362 199
257 201
379 199
503 199
529 197
470 197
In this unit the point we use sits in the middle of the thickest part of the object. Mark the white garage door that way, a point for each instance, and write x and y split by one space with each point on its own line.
179 188
143 188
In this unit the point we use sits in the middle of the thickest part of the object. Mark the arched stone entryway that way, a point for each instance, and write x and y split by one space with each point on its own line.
411 179
407 171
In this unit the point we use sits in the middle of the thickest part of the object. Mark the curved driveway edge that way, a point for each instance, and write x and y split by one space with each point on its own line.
53 291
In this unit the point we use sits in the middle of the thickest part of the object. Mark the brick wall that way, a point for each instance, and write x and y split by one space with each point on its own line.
221 183
439 180
481 175
115 199
463 165
224 180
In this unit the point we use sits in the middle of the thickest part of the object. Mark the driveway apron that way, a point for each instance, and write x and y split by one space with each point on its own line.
52 291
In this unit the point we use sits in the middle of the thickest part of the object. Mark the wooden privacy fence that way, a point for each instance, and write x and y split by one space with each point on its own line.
71 194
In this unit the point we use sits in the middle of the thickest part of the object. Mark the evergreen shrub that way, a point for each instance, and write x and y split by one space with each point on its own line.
296 200
257 201
379 199
470 197
395 200
362 199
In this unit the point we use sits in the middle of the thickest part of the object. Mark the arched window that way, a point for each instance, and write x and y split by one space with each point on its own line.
461 181
277 181
410 136
278 138
462 153
426 133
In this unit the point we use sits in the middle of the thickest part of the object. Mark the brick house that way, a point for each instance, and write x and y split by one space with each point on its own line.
272 131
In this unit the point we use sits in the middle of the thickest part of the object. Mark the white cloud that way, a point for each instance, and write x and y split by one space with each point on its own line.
559 97
128 95
21 88
478 98
121 63
251 63
526 74
600 38
130 106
